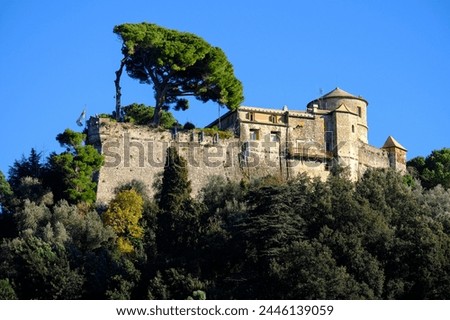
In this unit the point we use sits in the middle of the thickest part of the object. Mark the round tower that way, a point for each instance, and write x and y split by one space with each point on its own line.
345 126
343 101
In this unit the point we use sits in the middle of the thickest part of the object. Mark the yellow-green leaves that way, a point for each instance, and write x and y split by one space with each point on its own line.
123 215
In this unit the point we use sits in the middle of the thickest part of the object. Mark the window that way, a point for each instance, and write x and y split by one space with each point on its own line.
216 138
251 116
275 136
273 119
254 134
359 112
353 128
328 141
201 136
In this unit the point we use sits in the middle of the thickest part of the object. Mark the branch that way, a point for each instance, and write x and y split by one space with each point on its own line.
182 94
118 88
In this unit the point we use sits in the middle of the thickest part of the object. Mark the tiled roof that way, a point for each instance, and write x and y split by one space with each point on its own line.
339 93
391 142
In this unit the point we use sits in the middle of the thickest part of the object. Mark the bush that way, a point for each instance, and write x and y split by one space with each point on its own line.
189 126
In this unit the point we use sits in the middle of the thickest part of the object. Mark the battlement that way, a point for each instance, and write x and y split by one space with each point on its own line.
256 142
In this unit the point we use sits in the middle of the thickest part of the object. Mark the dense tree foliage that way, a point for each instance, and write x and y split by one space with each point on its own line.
433 170
123 215
26 167
54 244
378 238
177 64
70 174
178 217
142 114
5 190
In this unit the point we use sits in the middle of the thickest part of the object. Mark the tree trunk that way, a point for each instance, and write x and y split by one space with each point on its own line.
158 109
119 90
157 115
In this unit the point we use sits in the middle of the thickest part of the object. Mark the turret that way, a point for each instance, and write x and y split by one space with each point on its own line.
342 100
345 126
397 154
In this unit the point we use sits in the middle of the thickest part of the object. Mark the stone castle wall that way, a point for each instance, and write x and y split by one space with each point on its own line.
134 152
371 157
138 153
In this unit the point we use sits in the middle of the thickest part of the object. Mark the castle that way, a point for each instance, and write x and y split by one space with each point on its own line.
332 130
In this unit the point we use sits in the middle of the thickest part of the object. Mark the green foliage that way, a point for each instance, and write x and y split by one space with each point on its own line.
412 245
107 116
64 225
5 191
175 284
198 295
71 139
308 270
437 202
123 282
175 188
223 134
123 215
178 64
143 115
434 169
5 188
54 244
178 229
6 290
273 219
70 174
26 167
382 237
39 270
270 225
31 189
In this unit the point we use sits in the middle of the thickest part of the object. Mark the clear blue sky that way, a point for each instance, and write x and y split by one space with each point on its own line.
58 56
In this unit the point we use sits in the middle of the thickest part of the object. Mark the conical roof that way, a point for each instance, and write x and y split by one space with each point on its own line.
391 142
338 93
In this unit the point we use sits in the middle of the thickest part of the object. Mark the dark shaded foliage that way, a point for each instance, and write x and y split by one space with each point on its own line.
378 238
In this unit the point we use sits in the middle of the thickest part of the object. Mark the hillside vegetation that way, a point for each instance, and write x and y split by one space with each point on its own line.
383 237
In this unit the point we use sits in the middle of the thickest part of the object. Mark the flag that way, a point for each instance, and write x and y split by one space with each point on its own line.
81 118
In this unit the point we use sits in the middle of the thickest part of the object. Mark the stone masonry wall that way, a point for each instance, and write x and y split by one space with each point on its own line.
138 152
371 157
135 152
